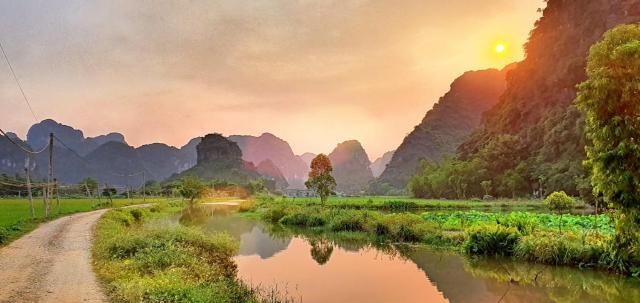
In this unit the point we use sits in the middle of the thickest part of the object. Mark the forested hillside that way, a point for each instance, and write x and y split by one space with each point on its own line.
532 141
444 127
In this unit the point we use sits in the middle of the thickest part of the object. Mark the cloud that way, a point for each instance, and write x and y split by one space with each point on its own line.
385 62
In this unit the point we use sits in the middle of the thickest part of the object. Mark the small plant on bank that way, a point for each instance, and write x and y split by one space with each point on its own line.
560 202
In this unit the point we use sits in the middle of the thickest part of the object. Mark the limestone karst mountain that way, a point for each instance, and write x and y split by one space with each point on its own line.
221 159
445 126
536 113
268 146
351 167
380 164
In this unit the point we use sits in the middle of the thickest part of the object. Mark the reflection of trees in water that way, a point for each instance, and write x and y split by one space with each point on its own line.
321 250
558 284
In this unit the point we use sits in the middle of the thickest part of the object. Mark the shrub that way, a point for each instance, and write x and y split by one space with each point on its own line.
560 202
348 220
491 239
136 214
274 214
400 227
4 235
399 205
568 249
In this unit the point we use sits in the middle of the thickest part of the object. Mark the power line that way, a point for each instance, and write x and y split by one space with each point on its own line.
22 147
24 96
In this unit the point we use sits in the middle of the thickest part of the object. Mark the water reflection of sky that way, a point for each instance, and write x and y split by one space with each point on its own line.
323 270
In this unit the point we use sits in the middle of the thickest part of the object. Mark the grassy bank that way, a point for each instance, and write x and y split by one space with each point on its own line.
414 204
138 263
585 241
15 214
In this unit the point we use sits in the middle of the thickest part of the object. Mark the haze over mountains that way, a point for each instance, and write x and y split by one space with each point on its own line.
111 160
445 126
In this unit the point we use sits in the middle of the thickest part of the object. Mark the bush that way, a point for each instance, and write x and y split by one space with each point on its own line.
401 227
275 213
348 220
136 214
523 222
568 249
4 235
307 218
399 205
247 205
491 239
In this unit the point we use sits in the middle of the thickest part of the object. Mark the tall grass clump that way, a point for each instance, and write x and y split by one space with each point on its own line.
491 239
567 249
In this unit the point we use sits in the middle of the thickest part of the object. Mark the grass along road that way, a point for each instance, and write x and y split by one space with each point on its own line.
15 215
52 263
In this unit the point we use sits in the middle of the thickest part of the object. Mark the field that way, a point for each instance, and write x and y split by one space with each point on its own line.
570 239
406 203
15 215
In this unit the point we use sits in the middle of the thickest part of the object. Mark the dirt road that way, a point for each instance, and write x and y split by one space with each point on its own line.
52 263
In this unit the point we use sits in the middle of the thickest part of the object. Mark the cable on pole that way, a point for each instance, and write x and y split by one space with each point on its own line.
22 147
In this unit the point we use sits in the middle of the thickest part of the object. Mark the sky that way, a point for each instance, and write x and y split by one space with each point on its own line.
314 73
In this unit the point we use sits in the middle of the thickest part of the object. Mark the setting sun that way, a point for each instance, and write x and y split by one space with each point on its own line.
500 48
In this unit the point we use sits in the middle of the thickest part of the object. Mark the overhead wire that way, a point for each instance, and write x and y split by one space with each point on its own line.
24 96
21 146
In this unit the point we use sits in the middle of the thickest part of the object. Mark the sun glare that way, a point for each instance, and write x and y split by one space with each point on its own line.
500 48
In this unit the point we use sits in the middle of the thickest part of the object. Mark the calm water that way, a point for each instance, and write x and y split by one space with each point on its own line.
313 268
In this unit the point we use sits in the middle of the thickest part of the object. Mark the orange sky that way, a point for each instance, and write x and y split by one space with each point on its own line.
314 73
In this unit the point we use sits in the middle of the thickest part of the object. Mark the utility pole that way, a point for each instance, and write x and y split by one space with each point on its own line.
50 177
26 170
144 188
57 188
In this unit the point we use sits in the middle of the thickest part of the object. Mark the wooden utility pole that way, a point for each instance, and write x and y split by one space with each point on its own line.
44 198
144 188
57 188
26 170
50 177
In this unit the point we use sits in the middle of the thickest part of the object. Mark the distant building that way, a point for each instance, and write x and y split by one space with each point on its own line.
299 193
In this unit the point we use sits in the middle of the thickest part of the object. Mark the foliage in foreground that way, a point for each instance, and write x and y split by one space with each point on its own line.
609 100
166 264
586 242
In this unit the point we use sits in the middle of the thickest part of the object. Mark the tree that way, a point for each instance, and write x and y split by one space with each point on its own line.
90 184
486 185
192 188
609 100
559 201
320 179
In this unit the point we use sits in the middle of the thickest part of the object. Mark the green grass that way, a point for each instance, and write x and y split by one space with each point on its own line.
15 214
406 203
139 263
585 240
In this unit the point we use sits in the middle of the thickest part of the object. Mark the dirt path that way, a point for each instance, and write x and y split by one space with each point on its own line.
52 263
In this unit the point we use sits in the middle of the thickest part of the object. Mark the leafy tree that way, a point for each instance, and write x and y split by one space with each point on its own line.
320 179
609 99
486 186
90 183
192 188
559 201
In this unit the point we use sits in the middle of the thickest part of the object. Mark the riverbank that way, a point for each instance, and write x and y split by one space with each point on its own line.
583 241
155 263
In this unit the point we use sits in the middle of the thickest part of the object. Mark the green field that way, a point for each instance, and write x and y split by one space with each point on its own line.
15 214
406 203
